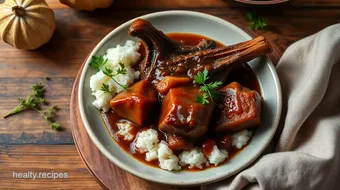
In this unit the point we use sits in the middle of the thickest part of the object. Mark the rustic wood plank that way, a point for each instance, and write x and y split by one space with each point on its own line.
47 158
29 127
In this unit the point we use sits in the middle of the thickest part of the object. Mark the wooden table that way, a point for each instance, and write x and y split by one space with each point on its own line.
28 144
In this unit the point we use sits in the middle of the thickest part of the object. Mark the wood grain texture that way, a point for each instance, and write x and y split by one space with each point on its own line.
76 34
47 158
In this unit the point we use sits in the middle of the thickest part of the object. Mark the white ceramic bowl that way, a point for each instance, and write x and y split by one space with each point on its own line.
189 22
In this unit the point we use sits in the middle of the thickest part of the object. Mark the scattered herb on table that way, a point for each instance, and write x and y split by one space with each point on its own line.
34 101
99 62
256 22
47 78
208 89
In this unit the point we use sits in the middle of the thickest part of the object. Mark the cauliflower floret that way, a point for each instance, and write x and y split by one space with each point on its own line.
167 160
152 154
193 158
241 138
217 156
123 79
146 140
97 80
102 100
125 130
128 54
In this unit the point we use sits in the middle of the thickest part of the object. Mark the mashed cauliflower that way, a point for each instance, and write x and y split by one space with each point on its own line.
128 55
241 138
125 130
167 159
217 156
146 141
193 158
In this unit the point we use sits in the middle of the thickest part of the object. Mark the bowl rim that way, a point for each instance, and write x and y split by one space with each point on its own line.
131 170
272 2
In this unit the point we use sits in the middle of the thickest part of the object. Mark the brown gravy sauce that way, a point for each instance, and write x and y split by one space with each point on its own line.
243 74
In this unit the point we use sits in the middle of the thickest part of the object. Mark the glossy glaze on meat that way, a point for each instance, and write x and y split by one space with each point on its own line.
182 115
166 57
239 108
180 120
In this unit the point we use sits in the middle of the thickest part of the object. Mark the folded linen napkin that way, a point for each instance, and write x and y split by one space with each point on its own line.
307 154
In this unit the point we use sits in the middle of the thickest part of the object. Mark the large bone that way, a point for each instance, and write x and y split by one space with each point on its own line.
159 48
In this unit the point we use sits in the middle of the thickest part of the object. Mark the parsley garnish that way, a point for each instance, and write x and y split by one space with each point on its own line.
105 88
256 22
33 101
98 62
208 89
121 70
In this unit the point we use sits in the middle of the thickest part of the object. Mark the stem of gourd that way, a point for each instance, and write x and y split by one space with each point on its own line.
18 10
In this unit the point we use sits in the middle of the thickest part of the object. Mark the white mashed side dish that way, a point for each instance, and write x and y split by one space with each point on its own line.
125 130
128 55
193 158
167 159
241 138
217 155
152 154
146 141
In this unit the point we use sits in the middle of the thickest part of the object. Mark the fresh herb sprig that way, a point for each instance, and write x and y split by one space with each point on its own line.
105 88
48 115
208 89
34 101
99 62
256 22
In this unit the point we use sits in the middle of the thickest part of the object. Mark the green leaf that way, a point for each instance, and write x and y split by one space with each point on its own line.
108 72
98 62
34 100
121 70
56 126
37 90
256 22
201 77
214 85
105 88
208 89
202 99
204 88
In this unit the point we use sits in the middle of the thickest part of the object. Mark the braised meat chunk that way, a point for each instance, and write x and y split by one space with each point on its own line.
176 142
169 82
136 103
239 108
182 115
166 57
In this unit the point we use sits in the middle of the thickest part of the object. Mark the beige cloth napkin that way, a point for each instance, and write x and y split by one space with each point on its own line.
307 154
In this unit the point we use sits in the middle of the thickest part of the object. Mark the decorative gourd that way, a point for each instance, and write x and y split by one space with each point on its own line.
88 5
26 24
